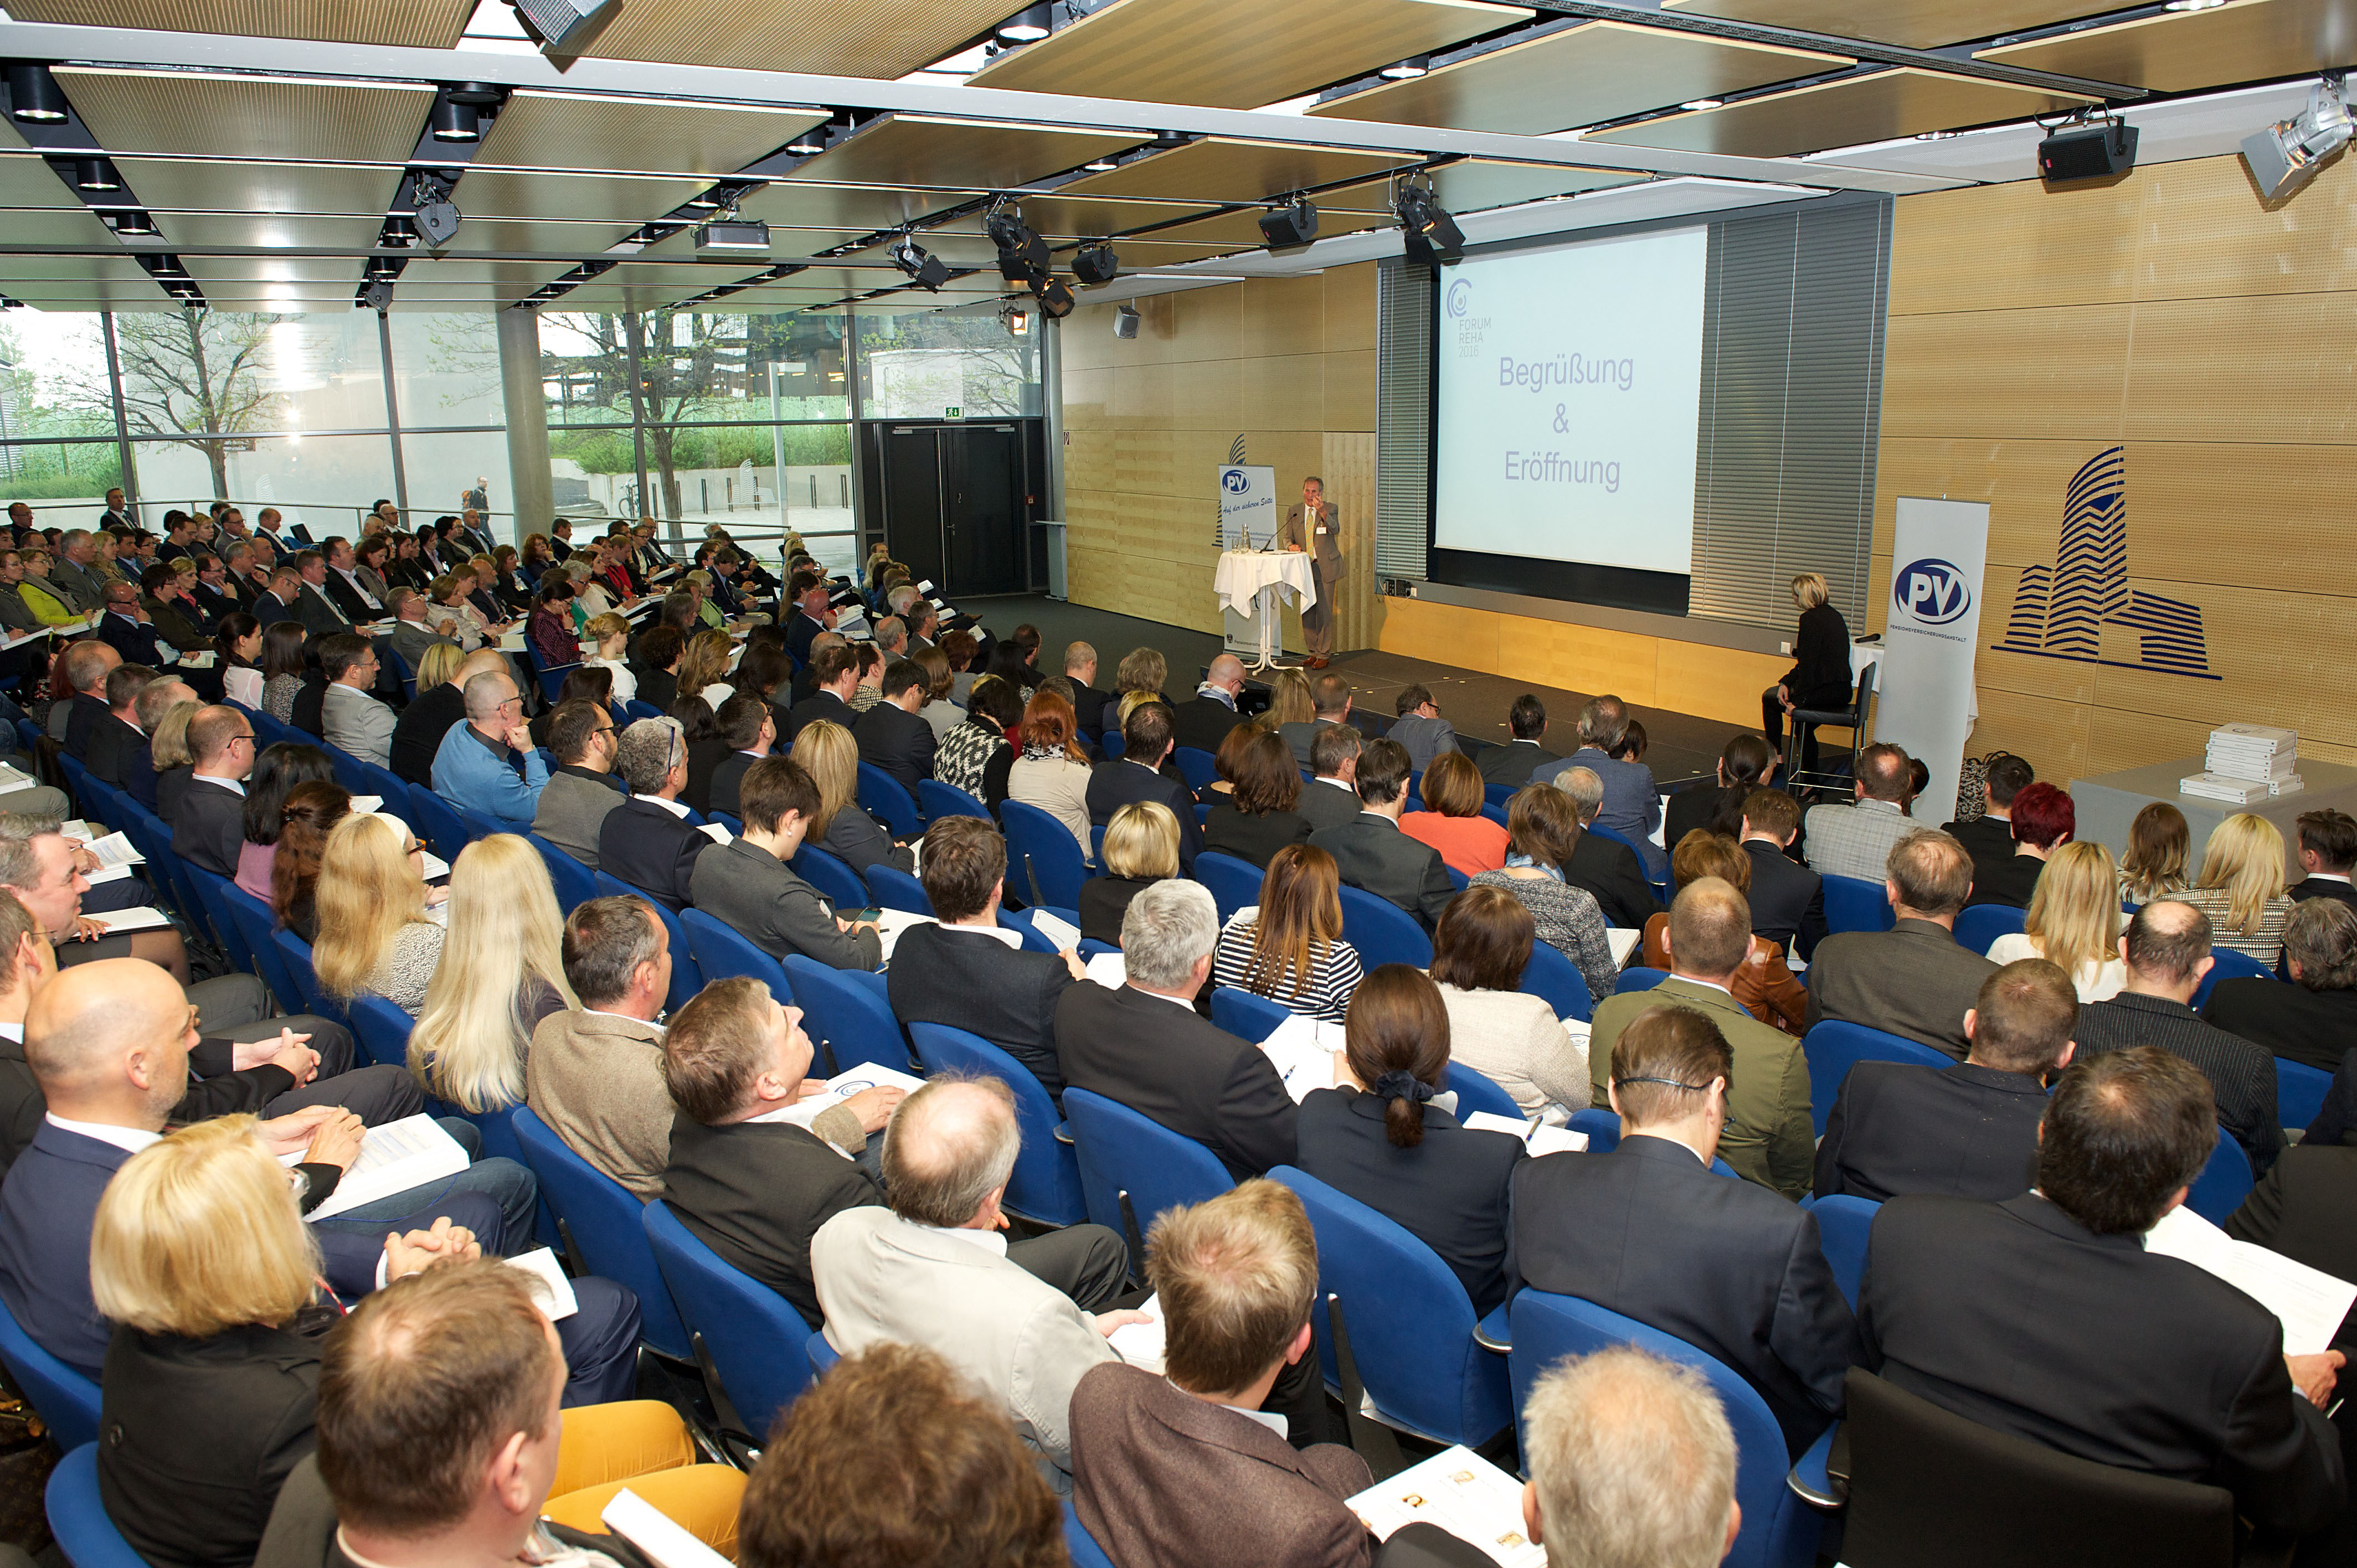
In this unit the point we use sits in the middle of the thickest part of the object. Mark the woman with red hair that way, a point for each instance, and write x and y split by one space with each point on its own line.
2044 820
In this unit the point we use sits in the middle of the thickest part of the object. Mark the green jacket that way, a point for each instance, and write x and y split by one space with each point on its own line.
1771 1137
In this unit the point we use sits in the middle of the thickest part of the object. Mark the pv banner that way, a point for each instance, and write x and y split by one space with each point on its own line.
1248 514
1927 702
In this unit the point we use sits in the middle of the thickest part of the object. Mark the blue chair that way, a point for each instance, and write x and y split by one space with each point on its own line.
1602 1127
66 1400
1498 815
1034 938
1113 744
2300 1092
854 1020
551 676
1982 924
940 800
382 1030
734 825
1079 1544
78 781
1234 882
2223 1183
1853 903
1844 1225
1834 1048
381 782
835 880
600 1223
77 1515
347 769
745 1336
2228 964
255 924
1246 1015
232 940
1661 890
270 732
1409 1322
297 954
1457 879
888 799
635 710
479 826
1046 1185
1133 1168
1637 977
686 979
1195 765
893 888
721 950
1043 860
1498 795
437 822
1383 931
820 1354
1780 1531
1555 977
1476 1092
575 887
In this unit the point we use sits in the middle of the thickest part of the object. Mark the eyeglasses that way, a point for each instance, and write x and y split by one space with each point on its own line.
235 738
1669 1083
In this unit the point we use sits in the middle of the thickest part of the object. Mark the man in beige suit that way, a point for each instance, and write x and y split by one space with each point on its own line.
1315 527
596 1076
1021 1322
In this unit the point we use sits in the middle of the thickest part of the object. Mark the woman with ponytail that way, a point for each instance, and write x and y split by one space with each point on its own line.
1390 1137
1744 765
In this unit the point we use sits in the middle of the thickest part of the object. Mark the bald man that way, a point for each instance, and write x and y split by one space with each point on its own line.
1204 719
428 719
489 764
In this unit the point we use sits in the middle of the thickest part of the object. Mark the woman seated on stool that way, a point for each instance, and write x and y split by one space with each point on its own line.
1820 677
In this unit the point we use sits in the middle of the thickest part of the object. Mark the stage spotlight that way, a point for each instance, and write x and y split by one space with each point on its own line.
1294 223
565 26
438 215
1433 238
34 96
96 174
1022 255
1056 299
1019 321
455 122
925 270
2283 157
1093 264
378 296
1028 25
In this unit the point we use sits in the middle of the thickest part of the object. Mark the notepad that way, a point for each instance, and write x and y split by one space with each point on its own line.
1538 1139
657 1536
392 1159
1302 1050
1462 1493
841 1087
549 1285
1062 932
1109 970
11 780
116 921
2309 1303
891 923
1142 1344
1623 942
715 832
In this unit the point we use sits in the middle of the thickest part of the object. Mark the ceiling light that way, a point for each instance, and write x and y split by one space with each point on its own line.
1028 25
1094 265
809 143
1704 103
455 122
96 174
733 234
1432 236
2283 157
1407 70
135 222
1055 299
1022 255
565 26
377 296
438 215
2193 5
34 96
399 233
1019 321
925 270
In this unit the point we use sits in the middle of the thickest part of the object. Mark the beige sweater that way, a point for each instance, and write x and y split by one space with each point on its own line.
1515 1040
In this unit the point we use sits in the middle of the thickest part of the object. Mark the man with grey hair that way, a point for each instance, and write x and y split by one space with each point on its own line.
1088 703
892 636
651 841
488 763
418 625
1631 1463
74 576
1146 1045
1022 1320
1611 871
139 775
1853 839
1633 803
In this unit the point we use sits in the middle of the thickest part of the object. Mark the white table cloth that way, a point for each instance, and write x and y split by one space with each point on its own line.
1242 573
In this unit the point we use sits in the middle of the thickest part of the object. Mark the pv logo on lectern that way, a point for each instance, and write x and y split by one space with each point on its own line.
1236 480
1932 591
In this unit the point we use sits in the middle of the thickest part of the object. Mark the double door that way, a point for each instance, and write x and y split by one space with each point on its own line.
953 502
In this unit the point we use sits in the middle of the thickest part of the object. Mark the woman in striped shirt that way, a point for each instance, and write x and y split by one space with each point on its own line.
1290 950
2242 888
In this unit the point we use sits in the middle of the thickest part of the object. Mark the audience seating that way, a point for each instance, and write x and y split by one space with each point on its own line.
382 1030
382 782
1046 1185
437 821
1133 1168
256 925
600 1224
270 732
478 825
1079 1544
885 798
1043 861
1113 744
1234 882
1457 879
208 888
820 1354
347 767
835 880
66 1401
893 888
1980 926
2300 1092
746 1338
1407 1320
686 980
635 710
1195 765
1853 903
1843 1224
855 1022
1637 977
2223 1183
2228 964
1555 977
1383 931
297 954
1498 795
1247 1014
1661 887
78 1517
1034 938
1779 1529
573 884
1602 1126
720 952
1833 1048
1476 1092
938 799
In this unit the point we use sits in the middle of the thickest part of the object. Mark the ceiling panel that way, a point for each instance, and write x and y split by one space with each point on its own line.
194 113
1880 107
2250 40
921 149
268 229
1579 76
1916 24
1217 170
1084 216
480 234
688 278
50 226
468 281
1477 183
142 294
68 269
621 198
208 185
407 24
602 297
1237 230
570 130
344 270
855 208
28 181
1236 54
833 38
1146 255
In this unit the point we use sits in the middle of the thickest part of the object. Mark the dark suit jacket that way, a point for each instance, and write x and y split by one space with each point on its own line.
1450 1192
827 705
309 712
418 733
2242 1075
114 748
800 629
972 981
1515 761
1089 710
747 889
2315 1027
1104 902
1324 805
348 599
317 612
2306 1209
1788 899
1165 1062
135 640
660 688
1161 1478
1651 1233
756 1192
2009 881
1301 735
270 610
2017 1317
2324 887
728 783
171 788
1374 856
1989 841
1912 980
1121 782
1612 873
901 744
139 775
1253 838
1962 1132
83 716
651 850
210 829
1202 723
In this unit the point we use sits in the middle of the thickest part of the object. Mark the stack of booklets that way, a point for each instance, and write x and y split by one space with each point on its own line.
2246 762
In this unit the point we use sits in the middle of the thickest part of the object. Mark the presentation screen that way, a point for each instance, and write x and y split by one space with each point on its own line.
1568 386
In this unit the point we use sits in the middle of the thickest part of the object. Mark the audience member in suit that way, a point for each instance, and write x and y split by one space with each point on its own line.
1633 803
1854 840
431 715
308 711
649 840
1769 1133
278 604
1788 899
810 615
1259 817
1988 837
417 627
2328 853
124 626
1966 1130
892 737
582 791
594 1074
86 666
1145 1046
73 572
1627 1448
1372 853
1331 798
2042 820
1203 720
2166 953
1420 730
1610 871
656 664
1745 764
1912 980
1137 775
1089 704
311 606
1525 751
749 727
2313 1020
140 775
1410 1160
747 885
963 972
1023 1320
1649 1232
1331 697
1821 676
210 831
115 742
345 590
834 672
2045 1317
351 720
753 1178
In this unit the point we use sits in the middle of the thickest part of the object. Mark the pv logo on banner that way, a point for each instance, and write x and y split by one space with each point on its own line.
1248 516
1925 700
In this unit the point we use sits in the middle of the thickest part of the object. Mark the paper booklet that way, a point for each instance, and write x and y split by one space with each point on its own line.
1109 970
658 1539
141 919
891 923
1303 1050
549 1285
117 856
1141 1344
394 1158
1462 1493
1623 942
11 780
866 1075
2309 1303
1538 1139
715 832
1057 929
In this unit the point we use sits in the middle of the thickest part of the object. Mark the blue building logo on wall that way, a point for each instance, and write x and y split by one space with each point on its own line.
2060 611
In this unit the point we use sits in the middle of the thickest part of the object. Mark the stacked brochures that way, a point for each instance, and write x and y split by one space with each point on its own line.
2246 762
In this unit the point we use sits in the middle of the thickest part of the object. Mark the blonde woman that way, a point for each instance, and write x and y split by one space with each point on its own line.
1289 948
611 633
2154 867
503 973
2074 922
374 933
1292 704
2242 888
1820 676
438 665
1141 670
1141 848
703 673
174 765
843 828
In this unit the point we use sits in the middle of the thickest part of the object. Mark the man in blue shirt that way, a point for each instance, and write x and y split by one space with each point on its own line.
489 764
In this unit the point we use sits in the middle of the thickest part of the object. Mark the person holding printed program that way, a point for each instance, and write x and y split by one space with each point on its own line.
1315 527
